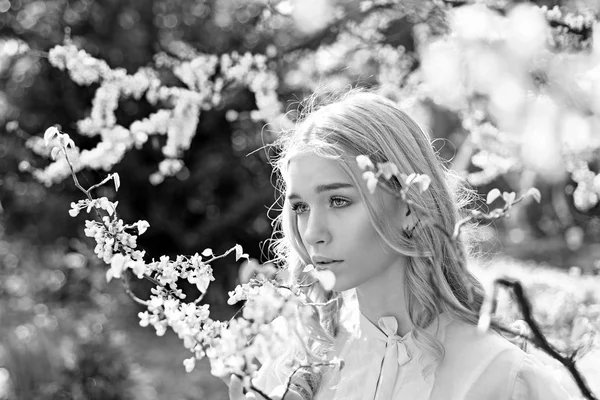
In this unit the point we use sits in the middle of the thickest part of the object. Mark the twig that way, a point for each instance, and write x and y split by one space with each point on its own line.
540 339
74 175
88 195
130 292
254 388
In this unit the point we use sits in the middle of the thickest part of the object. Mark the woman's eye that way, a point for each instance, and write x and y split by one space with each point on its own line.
338 202
299 208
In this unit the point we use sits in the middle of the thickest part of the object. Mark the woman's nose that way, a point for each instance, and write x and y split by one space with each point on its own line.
317 230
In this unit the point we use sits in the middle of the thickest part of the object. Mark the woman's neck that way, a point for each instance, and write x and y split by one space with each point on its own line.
385 295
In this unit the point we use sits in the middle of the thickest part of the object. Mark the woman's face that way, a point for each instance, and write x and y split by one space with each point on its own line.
334 223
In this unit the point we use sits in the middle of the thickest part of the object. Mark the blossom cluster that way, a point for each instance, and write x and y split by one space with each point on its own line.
574 21
116 245
178 111
269 320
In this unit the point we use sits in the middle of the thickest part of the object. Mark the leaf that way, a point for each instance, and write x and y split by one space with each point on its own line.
309 268
117 181
509 198
239 252
142 226
50 134
207 252
537 196
66 141
326 278
54 153
493 195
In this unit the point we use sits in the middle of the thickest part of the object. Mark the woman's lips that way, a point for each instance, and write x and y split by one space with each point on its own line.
327 265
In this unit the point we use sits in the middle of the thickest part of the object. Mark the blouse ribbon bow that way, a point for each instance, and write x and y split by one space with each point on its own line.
396 355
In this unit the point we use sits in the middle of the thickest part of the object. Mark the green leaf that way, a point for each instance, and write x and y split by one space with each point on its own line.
309 268
50 134
142 226
117 181
509 198
493 195
55 152
239 252
537 196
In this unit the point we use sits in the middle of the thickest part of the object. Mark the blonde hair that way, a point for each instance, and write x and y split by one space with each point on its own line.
437 280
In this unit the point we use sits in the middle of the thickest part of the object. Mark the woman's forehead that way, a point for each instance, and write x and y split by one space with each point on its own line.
309 171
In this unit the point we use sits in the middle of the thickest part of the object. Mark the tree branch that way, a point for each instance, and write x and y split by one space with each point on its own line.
540 340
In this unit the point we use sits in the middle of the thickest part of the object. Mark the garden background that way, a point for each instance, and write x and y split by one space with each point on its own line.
510 90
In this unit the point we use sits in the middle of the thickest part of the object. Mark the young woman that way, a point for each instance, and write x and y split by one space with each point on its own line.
405 307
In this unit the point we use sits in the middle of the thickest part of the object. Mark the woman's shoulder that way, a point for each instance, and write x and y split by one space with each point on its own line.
470 354
463 339
486 365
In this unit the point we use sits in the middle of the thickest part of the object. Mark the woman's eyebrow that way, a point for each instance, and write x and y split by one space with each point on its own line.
324 188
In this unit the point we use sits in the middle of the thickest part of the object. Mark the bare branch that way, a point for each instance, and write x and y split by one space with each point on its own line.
539 338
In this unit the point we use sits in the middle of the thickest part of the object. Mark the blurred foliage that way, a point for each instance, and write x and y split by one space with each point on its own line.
56 338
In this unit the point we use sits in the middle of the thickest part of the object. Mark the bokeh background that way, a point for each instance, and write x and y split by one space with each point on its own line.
510 93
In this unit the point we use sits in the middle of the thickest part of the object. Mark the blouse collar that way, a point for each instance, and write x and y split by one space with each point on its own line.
398 368
407 347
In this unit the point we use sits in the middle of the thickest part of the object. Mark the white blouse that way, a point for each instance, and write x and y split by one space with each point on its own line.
380 365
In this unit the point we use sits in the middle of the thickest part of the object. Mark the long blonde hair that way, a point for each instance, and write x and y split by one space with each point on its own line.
359 122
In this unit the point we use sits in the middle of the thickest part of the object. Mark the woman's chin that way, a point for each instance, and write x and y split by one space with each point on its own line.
341 286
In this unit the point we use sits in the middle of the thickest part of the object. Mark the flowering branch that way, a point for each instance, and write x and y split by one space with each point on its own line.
578 24
130 292
231 346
